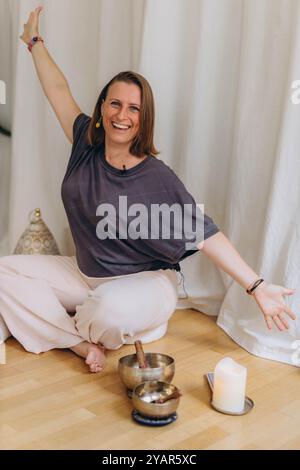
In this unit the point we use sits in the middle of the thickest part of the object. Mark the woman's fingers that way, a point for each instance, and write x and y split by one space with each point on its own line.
268 322
289 291
284 320
290 312
38 11
36 16
278 322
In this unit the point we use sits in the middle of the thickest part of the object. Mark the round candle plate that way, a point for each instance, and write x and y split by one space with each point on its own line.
147 421
248 405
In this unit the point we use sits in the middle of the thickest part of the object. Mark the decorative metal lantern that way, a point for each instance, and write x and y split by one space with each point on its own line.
37 238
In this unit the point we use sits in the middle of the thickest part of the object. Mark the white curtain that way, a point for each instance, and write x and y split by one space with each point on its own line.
221 72
5 120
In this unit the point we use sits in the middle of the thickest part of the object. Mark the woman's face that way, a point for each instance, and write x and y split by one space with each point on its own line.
121 113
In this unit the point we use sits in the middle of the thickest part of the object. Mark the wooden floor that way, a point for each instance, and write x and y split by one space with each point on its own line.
51 401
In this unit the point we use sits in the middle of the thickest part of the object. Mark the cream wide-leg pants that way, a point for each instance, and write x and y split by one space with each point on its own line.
38 293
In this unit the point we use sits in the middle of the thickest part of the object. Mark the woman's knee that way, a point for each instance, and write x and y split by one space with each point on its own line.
105 309
95 318
106 314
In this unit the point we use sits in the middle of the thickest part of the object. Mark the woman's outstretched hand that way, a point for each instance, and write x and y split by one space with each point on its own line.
270 299
31 28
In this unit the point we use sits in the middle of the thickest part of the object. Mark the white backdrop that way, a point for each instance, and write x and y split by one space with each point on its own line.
221 72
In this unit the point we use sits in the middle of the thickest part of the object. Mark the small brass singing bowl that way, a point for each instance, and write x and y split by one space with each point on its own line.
147 393
162 367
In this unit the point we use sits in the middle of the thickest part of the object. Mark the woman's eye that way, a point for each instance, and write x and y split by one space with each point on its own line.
116 104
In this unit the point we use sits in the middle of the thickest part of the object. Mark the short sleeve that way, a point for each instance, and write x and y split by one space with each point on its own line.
193 225
80 126
197 225
79 145
210 228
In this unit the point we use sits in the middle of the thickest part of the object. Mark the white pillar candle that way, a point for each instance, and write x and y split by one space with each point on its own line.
229 386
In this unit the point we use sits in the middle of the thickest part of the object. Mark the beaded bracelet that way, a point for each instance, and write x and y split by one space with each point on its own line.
33 41
252 287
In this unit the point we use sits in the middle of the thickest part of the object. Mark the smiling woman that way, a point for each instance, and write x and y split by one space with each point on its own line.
124 115
120 290
141 271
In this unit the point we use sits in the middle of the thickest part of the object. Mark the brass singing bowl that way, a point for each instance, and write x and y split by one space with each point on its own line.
147 392
162 367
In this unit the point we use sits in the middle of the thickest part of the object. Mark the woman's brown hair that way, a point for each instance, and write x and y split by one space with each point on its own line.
143 142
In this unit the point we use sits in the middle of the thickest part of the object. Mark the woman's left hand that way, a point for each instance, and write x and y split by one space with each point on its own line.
270 299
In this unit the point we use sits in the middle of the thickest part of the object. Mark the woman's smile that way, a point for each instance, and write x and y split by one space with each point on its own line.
120 127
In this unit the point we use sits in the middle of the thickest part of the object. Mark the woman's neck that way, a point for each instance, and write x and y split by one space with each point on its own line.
117 153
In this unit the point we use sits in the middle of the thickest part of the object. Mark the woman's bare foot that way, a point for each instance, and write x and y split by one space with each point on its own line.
94 355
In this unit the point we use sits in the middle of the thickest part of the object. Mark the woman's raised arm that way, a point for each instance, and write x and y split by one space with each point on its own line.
53 81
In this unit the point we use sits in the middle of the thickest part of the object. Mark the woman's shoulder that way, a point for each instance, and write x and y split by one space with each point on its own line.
80 126
165 171
82 118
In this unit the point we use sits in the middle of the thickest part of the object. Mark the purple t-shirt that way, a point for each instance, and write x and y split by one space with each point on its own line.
91 192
